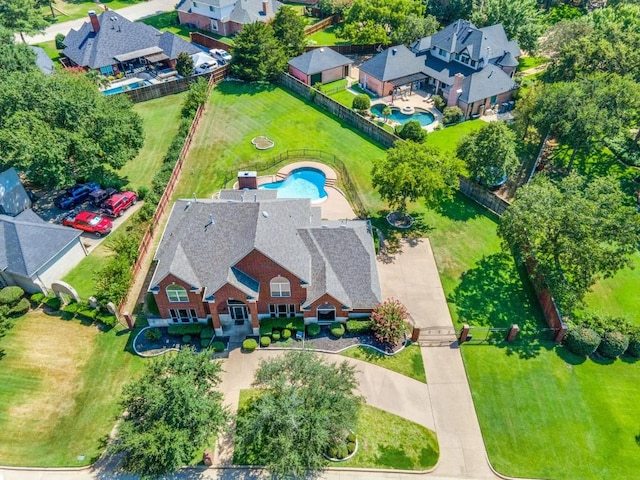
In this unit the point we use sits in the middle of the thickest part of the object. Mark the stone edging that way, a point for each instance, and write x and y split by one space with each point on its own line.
348 457
151 355
336 352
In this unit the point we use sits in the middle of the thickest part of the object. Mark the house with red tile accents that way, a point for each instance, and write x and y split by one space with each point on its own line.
249 255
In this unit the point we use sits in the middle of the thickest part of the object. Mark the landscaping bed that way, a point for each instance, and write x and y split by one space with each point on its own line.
158 340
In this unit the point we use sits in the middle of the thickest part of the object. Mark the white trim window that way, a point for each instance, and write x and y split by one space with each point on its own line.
280 287
282 310
176 293
183 315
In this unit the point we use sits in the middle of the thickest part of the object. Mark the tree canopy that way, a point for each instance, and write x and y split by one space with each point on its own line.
60 128
490 153
576 231
170 413
15 57
411 171
21 16
304 405
257 54
288 28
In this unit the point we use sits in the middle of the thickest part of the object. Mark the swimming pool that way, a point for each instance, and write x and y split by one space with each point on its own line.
124 88
423 116
301 183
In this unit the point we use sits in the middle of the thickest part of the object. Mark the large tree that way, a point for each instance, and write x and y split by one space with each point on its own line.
305 405
60 128
490 153
411 171
257 54
14 57
21 16
288 28
413 28
521 19
573 232
170 413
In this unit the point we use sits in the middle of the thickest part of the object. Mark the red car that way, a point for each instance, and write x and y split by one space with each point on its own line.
116 204
88 222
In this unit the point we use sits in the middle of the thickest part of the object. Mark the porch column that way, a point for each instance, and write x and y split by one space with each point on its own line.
215 318
253 312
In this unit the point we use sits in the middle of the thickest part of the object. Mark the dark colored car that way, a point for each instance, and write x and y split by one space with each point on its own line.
97 197
75 195
88 222
115 205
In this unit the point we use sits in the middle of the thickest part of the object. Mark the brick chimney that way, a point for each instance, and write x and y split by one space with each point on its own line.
247 179
95 23
265 7
455 90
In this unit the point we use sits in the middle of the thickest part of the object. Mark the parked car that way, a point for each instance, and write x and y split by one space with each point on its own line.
75 195
220 54
206 67
97 197
115 205
88 222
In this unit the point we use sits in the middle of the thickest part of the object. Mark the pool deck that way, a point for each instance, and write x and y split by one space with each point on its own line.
329 173
419 99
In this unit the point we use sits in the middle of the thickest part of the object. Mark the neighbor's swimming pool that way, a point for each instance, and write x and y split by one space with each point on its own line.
124 88
423 116
301 183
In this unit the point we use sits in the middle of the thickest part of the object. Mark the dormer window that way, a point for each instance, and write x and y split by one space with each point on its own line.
176 293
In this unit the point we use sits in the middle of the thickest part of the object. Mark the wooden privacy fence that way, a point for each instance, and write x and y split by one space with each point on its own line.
322 24
207 41
368 49
484 197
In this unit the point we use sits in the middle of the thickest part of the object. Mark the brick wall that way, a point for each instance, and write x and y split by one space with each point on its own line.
200 21
294 72
195 299
326 299
333 74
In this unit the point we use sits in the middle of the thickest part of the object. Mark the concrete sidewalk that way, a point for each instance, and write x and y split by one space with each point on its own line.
134 12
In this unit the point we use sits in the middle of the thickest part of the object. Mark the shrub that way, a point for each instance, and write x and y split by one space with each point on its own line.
286 334
107 318
37 298
10 296
351 438
388 321
217 346
342 452
275 335
451 115
358 327
207 333
265 329
582 341
265 341
313 329
351 447
153 334
634 345
333 451
60 41
143 192
181 330
412 130
361 102
249 345
186 339
439 102
53 303
22 307
293 324
336 329
204 342
613 344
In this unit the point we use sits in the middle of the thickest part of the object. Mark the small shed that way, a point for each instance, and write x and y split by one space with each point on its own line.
320 65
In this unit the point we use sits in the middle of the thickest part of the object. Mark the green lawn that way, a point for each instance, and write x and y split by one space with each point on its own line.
525 63
58 397
408 362
385 441
326 37
168 22
446 139
51 50
72 9
82 276
556 416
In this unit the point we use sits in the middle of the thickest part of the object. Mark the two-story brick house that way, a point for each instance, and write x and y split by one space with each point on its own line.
249 255
472 68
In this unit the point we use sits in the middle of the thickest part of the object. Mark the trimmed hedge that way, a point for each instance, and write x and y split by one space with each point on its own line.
186 339
286 334
265 329
37 298
217 346
351 447
582 341
267 325
54 303
337 330
249 345
181 330
153 334
207 333
313 329
351 438
613 344
10 296
204 342
358 327
343 452
265 341
22 307
276 336
634 345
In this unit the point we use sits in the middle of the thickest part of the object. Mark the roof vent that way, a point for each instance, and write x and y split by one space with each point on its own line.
322 49
265 214
188 204
394 51
211 222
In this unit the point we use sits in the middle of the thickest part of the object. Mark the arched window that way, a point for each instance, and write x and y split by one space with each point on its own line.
176 293
280 287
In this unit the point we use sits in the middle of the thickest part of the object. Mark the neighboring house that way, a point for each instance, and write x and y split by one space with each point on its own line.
14 199
320 65
470 67
43 62
249 255
226 17
35 253
111 44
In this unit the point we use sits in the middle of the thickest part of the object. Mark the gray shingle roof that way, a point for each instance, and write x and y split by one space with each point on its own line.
443 70
27 242
249 11
489 81
44 63
13 196
318 60
338 260
118 36
394 62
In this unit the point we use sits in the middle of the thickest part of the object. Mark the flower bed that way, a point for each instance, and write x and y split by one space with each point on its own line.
328 343
150 345
262 142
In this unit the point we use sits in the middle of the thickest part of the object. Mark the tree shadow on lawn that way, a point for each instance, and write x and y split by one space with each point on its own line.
238 88
393 235
461 209
396 458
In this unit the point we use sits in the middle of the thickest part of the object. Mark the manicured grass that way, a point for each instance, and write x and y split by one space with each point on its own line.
160 118
525 63
238 112
59 390
553 415
70 10
83 276
446 140
408 362
168 22
50 49
328 36
385 440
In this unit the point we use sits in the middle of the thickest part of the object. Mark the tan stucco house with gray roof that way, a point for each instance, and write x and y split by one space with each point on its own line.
249 255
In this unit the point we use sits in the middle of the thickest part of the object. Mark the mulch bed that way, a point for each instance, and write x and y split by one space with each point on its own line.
400 220
262 142
166 342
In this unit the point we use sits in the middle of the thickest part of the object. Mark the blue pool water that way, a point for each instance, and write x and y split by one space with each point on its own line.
423 116
124 88
301 183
